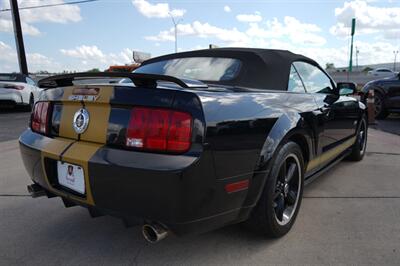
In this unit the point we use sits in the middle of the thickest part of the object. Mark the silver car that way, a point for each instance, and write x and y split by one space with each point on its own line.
17 90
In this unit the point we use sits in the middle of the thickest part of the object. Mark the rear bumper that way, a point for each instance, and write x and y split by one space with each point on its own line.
10 96
179 191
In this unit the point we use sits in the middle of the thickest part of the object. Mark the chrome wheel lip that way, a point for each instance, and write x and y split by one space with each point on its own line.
362 137
290 210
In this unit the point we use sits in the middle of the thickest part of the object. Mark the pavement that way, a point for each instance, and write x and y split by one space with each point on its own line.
12 123
391 124
350 215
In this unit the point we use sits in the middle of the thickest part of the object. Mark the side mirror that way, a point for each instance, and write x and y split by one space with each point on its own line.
346 88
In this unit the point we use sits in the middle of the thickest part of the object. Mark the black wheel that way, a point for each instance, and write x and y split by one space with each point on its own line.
280 202
29 107
359 148
380 111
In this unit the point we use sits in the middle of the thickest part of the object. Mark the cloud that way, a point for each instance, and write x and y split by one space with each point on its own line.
84 52
160 10
6 25
93 57
81 58
291 28
201 30
370 19
36 61
227 9
256 17
57 14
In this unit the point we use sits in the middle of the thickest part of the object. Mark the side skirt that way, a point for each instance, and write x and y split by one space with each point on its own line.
338 159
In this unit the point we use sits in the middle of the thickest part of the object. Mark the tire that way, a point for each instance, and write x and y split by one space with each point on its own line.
359 148
277 208
380 111
31 103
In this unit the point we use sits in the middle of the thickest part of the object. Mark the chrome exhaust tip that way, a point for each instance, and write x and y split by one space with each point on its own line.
154 233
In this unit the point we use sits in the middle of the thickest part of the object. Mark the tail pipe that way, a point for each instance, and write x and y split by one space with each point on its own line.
36 191
154 232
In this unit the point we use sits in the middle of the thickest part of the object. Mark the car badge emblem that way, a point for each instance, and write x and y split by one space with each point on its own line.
81 121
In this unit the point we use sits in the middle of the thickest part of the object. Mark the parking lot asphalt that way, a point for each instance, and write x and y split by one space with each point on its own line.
350 215
12 123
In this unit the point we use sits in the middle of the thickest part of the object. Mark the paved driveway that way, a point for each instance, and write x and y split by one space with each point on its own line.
350 215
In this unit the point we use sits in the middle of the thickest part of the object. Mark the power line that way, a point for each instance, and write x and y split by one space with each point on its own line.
51 5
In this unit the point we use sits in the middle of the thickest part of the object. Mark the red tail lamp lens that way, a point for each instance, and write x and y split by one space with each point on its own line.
14 87
159 130
39 121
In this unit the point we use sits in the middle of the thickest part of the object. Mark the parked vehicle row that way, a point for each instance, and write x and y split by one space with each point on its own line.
382 73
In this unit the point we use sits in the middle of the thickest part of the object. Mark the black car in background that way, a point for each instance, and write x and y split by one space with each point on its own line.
387 95
197 141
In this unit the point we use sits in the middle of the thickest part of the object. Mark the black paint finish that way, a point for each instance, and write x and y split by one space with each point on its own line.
235 136
389 88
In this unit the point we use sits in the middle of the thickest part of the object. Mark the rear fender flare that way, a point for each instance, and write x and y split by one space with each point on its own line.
286 126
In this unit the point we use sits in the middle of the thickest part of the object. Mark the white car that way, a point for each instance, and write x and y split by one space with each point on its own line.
18 90
381 73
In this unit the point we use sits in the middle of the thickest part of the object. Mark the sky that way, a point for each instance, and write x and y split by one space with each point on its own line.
102 33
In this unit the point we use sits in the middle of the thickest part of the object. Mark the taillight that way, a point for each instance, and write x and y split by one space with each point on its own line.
159 130
14 87
40 115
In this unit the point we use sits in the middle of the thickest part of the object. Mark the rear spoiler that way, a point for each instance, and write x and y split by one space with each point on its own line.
139 79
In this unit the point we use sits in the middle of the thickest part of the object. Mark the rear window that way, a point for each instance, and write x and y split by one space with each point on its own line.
200 68
8 77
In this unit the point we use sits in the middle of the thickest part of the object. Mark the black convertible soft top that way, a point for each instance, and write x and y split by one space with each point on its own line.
261 68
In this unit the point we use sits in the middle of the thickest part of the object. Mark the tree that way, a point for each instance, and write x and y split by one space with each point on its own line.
330 66
94 70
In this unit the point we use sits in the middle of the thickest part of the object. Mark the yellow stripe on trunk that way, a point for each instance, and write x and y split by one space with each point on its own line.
79 154
98 123
67 116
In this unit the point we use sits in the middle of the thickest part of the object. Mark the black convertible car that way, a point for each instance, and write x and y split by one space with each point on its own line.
387 95
197 141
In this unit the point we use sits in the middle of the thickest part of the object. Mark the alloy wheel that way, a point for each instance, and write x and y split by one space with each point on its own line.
287 189
378 105
362 137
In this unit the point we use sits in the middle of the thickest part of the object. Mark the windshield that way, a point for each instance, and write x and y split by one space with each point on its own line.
199 68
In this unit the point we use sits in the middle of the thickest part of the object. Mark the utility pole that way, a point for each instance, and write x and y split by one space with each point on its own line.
357 52
395 58
353 29
23 66
176 23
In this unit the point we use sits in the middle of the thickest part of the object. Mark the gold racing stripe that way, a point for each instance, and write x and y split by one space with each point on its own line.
52 149
99 112
67 116
105 93
79 154
330 154
67 92
98 123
